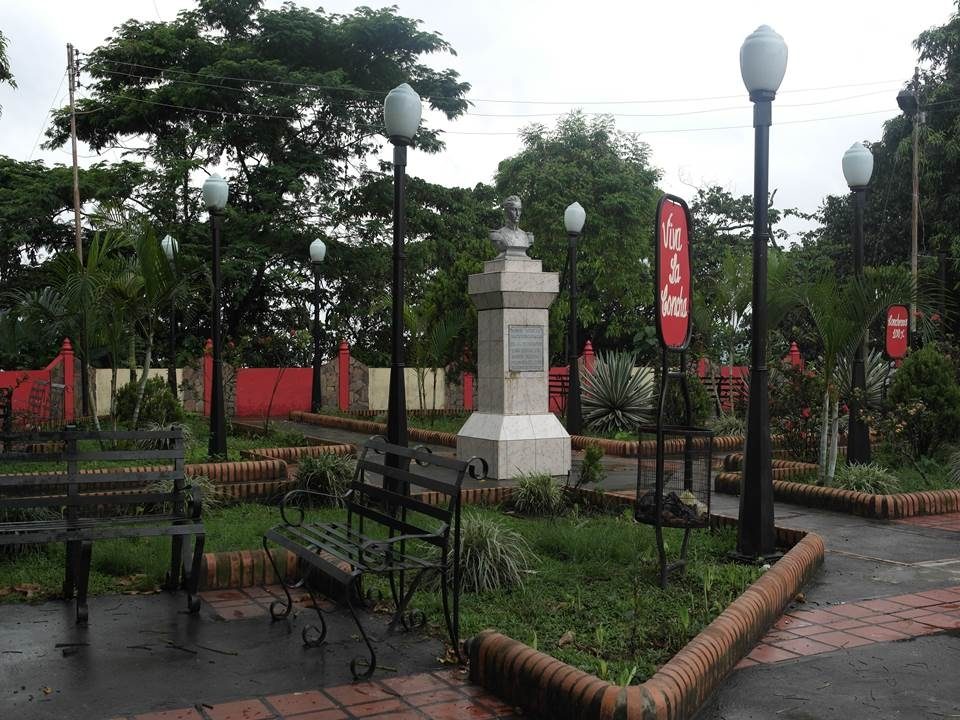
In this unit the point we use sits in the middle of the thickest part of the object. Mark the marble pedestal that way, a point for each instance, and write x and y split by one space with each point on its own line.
513 428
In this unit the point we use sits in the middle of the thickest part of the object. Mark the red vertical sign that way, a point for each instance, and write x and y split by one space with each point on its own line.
672 275
898 331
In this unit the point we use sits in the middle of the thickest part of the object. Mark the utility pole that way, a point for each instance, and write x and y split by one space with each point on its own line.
72 69
917 121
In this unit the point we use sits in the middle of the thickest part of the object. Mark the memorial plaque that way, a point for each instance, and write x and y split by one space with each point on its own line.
525 348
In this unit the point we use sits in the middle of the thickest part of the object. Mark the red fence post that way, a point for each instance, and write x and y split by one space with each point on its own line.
207 375
343 377
66 357
589 357
468 391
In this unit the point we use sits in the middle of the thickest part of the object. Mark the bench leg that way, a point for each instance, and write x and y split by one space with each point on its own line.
371 664
83 580
308 632
275 612
70 575
453 621
414 618
172 582
192 581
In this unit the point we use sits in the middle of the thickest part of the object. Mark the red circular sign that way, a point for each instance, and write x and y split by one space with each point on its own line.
898 331
673 273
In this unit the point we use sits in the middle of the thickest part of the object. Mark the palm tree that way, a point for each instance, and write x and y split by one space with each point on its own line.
158 288
842 313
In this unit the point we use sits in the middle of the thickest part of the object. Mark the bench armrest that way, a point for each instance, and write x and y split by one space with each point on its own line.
293 499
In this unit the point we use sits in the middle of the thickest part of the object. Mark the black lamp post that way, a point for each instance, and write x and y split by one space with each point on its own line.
215 192
573 218
170 248
763 62
857 169
317 252
401 116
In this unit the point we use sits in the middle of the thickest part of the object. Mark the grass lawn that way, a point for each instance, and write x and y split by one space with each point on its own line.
592 599
198 433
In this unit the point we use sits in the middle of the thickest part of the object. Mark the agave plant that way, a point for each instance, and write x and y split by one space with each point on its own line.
616 396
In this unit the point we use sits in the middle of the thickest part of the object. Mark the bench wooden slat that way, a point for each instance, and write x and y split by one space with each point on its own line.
99 532
60 478
403 527
401 475
58 436
428 458
400 500
20 456
119 498
84 456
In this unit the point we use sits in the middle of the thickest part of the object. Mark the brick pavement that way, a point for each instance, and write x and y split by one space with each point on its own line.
442 695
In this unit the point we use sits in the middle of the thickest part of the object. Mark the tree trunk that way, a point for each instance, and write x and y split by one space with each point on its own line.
834 435
132 358
824 434
113 393
143 379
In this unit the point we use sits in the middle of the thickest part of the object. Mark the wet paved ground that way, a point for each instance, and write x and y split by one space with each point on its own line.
877 636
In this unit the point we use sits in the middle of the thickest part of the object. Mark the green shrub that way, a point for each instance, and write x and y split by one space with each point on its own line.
796 402
492 556
212 497
159 405
872 478
538 495
591 467
327 473
955 467
616 396
924 403
701 405
728 424
160 444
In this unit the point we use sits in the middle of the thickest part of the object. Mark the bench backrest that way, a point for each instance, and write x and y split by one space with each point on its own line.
389 502
71 488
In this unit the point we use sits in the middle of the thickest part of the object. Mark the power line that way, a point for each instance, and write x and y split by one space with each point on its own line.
380 93
703 111
522 115
43 123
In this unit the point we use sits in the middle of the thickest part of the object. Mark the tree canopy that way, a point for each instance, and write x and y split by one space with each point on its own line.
608 172
288 100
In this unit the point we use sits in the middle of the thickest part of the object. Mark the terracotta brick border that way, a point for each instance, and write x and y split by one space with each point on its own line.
245 568
293 454
543 685
878 507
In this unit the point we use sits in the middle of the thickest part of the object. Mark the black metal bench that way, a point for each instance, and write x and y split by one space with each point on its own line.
343 553
109 503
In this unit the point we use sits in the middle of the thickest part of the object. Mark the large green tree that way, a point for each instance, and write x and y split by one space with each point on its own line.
5 75
609 173
290 101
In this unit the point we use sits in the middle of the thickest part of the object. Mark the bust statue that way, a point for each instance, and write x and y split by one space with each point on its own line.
510 240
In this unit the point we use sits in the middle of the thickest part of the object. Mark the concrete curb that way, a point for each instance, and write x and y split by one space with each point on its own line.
543 685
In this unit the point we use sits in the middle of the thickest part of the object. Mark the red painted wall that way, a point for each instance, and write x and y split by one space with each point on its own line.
256 385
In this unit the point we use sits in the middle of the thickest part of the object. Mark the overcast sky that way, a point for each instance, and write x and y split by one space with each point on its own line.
603 56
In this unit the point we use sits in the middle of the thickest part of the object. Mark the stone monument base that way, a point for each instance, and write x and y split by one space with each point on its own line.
514 444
